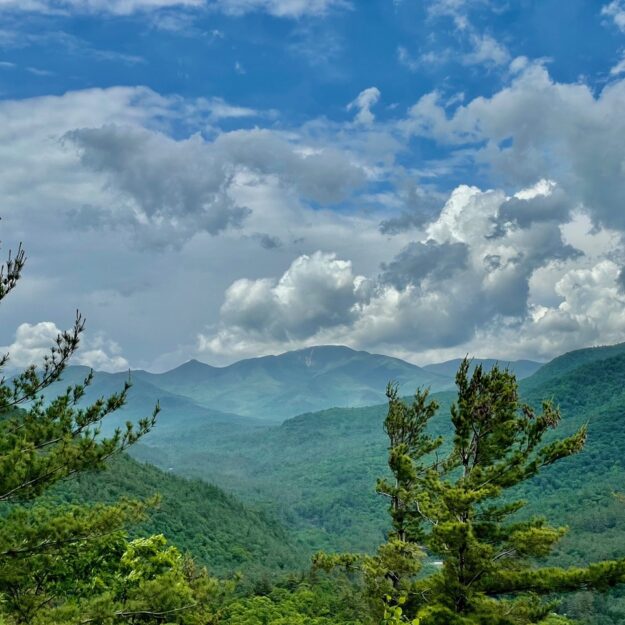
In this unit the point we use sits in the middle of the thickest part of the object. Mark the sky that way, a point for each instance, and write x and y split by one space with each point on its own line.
223 179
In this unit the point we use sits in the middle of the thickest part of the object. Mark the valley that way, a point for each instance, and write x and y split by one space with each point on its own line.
308 483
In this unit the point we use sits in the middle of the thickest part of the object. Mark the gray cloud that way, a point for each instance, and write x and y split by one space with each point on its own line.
319 174
420 260
419 207
553 207
169 181
182 187
268 242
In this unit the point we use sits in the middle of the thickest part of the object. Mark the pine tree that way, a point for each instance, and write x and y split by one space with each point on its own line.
74 564
475 557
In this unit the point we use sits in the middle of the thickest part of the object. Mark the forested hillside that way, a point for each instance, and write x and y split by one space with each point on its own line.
221 532
309 484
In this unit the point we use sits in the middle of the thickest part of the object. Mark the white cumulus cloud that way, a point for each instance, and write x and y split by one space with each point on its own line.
535 128
33 342
471 271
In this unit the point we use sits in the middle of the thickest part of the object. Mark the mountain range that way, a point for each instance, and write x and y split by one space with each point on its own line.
272 388
317 471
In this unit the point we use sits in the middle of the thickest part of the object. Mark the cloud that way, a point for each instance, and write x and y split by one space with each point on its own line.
116 7
485 51
363 103
89 173
281 8
419 205
536 128
96 181
619 68
175 185
19 37
122 176
267 241
590 311
278 8
616 11
425 259
545 201
131 176
455 9
33 342
472 268
316 292
405 59
458 10
472 46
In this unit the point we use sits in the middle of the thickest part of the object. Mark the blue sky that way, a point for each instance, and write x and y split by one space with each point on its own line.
307 66
227 178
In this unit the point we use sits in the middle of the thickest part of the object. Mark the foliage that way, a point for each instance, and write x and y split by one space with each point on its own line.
148 582
310 601
218 530
455 507
317 471
73 563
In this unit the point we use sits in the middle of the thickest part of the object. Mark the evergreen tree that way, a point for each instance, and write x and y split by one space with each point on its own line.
475 558
74 564
462 511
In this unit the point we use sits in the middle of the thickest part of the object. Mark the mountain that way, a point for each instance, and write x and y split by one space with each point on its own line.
317 471
521 368
572 360
277 387
177 412
220 531
270 388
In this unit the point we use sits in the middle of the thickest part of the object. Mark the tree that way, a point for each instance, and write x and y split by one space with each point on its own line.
74 564
476 557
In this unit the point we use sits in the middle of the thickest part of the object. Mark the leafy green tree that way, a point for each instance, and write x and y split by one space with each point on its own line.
144 581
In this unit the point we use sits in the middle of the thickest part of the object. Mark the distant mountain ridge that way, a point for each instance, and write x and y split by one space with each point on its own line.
570 361
316 470
521 368
278 387
271 388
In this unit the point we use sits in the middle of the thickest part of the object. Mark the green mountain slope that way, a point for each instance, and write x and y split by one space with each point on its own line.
178 412
521 368
572 360
316 471
278 387
216 528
